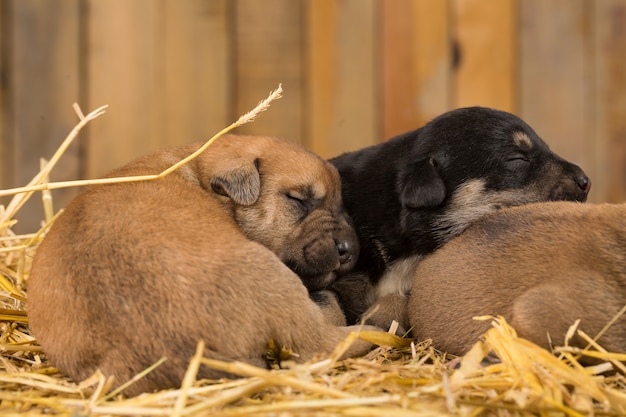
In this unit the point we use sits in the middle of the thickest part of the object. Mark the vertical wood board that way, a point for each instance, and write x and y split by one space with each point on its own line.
321 79
6 168
398 67
432 51
553 74
123 72
349 118
607 145
196 92
485 32
43 69
268 48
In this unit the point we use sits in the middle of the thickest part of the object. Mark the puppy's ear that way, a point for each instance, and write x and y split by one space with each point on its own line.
421 185
241 184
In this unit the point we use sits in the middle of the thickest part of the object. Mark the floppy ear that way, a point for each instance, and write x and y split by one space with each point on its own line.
241 184
421 185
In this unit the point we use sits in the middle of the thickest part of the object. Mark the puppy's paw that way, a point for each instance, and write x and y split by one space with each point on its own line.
390 308
387 325
329 304
365 328
359 347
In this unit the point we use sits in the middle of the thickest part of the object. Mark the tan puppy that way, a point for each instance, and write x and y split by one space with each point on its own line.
541 266
136 271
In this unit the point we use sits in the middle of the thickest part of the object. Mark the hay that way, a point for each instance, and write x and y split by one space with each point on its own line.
400 378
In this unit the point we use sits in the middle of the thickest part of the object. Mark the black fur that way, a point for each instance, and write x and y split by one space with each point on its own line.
401 193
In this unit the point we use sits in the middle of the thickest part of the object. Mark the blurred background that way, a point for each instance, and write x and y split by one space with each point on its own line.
354 73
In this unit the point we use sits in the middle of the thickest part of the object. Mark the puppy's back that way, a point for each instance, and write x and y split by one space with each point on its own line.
102 281
541 266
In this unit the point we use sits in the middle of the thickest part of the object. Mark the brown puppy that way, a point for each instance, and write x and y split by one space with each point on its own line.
541 266
133 272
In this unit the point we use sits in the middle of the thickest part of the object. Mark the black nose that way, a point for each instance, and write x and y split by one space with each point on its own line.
345 250
584 183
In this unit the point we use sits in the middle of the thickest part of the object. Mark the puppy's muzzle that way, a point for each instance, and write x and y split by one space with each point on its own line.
584 183
338 258
574 184
325 257
346 251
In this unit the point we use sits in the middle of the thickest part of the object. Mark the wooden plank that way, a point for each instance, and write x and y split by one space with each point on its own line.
122 68
197 72
43 67
268 45
398 67
416 63
432 51
486 34
321 77
607 143
163 68
5 143
553 75
342 76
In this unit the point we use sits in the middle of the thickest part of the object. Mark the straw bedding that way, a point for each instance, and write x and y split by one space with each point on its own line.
401 377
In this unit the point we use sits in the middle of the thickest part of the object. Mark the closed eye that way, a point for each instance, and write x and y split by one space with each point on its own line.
517 161
299 202
519 157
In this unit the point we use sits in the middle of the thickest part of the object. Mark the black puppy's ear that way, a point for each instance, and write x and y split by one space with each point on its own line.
241 184
421 185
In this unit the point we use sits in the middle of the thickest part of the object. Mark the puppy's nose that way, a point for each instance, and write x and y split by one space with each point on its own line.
584 183
346 251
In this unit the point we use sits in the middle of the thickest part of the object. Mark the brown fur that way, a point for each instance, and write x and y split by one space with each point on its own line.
136 271
541 266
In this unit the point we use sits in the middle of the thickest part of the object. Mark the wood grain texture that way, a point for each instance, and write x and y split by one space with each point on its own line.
608 150
354 73
553 69
196 98
321 77
416 63
164 69
343 104
6 169
485 32
42 63
268 48
399 67
123 54
432 49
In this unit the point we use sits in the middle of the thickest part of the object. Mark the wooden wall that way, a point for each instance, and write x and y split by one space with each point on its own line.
354 73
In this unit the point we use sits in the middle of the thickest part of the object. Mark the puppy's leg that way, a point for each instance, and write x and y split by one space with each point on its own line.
358 347
387 309
544 313
297 323
355 294
329 304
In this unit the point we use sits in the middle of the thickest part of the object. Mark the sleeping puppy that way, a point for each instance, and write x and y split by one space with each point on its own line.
133 272
413 193
541 266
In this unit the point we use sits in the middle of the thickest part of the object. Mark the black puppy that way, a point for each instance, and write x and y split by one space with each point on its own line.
411 194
